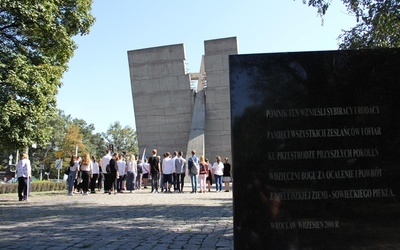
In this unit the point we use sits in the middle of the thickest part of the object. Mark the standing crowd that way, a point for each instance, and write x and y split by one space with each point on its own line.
121 173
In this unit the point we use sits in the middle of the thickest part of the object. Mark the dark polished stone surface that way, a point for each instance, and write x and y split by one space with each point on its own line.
316 150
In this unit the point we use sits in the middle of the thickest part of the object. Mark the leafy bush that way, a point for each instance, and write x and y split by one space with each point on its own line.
37 186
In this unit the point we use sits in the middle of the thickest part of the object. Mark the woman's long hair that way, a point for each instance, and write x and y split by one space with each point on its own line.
72 162
202 160
86 159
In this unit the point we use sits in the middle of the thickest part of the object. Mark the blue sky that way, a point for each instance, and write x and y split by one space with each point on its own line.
97 87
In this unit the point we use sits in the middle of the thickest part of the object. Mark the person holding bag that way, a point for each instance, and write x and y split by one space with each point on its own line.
203 174
73 168
193 166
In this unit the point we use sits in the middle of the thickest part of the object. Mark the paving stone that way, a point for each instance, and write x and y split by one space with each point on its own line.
124 221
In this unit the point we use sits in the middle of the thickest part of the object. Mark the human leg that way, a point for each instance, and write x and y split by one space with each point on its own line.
218 183
192 181
85 181
202 182
21 187
155 181
145 180
119 183
178 182
129 181
107 182
71 179
182 181
196 182
226 182
93 183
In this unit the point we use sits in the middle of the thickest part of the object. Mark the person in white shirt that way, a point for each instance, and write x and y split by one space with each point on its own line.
105 160
146 171
24 174
131 169
121 171
168 169
95 175
218 170
86 172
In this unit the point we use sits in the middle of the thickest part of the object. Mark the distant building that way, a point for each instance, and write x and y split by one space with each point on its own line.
169 114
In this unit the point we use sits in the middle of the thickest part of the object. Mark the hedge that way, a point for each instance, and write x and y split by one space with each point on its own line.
40 186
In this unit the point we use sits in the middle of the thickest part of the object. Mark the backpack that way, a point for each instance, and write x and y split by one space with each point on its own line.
195 166
190 162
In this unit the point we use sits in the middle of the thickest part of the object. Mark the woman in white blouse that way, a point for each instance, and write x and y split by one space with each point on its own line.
131 172
86 172
23 174
218 170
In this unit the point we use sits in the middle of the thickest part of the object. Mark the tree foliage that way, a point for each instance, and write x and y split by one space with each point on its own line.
66 134
94 142
123 139
73 139
35 47
378 23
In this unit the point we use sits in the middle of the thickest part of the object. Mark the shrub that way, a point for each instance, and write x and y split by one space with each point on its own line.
37 186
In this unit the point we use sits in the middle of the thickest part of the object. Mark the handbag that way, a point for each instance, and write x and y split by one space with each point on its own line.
67 171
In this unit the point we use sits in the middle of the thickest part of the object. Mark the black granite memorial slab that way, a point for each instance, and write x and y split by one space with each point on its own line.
316 149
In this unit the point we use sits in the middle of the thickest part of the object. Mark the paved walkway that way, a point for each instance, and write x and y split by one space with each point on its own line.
138 220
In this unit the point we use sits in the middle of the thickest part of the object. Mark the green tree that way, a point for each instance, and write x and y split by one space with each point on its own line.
36 45
59 125
378 23
123 139
73 139
94 142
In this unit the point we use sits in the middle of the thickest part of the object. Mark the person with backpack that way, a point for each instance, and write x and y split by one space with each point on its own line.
193 167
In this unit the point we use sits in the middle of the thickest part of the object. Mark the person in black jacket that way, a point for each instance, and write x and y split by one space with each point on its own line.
113 173
155 170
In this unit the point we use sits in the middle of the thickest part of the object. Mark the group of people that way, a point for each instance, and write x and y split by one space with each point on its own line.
171 170
87 173
121 174
166 175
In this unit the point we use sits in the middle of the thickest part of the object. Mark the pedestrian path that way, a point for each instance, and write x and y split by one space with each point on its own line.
138 220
